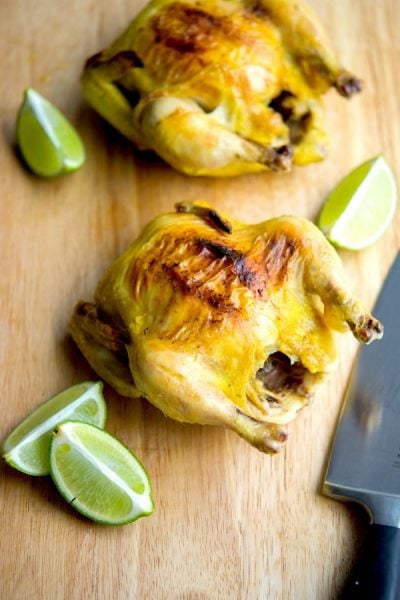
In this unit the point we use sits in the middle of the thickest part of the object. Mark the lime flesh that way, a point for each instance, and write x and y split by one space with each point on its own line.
48 142
27 448
361 207
99 476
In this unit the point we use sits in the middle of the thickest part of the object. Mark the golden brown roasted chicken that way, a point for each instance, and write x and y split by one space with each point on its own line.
222 323
220 87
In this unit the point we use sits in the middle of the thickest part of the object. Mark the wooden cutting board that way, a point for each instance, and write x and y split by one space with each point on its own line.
229 521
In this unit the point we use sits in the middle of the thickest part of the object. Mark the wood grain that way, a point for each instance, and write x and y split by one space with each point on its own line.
229 521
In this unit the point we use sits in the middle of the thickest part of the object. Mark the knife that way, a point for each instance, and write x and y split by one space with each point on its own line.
365 459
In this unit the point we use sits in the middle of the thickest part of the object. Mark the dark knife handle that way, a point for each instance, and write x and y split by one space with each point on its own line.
377 574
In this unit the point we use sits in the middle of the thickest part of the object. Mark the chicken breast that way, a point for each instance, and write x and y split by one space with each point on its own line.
220 87
222 323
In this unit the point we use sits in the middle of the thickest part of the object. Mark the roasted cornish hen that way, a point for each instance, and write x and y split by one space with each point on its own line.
222 323
220 87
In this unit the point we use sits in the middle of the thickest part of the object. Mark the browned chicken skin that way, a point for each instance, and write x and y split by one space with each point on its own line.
220 87
222 323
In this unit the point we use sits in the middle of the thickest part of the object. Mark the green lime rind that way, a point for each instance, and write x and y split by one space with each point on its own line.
27 447
98 475
361 207
342 194
48 142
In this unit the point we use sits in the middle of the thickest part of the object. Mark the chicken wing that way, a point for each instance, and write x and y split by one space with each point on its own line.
222 323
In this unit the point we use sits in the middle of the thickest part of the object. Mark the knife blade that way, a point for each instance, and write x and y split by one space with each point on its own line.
364 465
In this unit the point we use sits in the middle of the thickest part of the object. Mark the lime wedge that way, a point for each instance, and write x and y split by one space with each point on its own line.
47 140
361 207
98 476
27 448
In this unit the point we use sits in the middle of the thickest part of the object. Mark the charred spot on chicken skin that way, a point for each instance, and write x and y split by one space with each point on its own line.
188 29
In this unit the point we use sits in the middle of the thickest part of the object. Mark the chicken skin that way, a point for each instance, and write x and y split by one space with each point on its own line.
220 87
222 323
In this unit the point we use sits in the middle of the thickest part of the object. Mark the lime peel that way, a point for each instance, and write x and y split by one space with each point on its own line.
96 456
361 207
27 447
48 142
